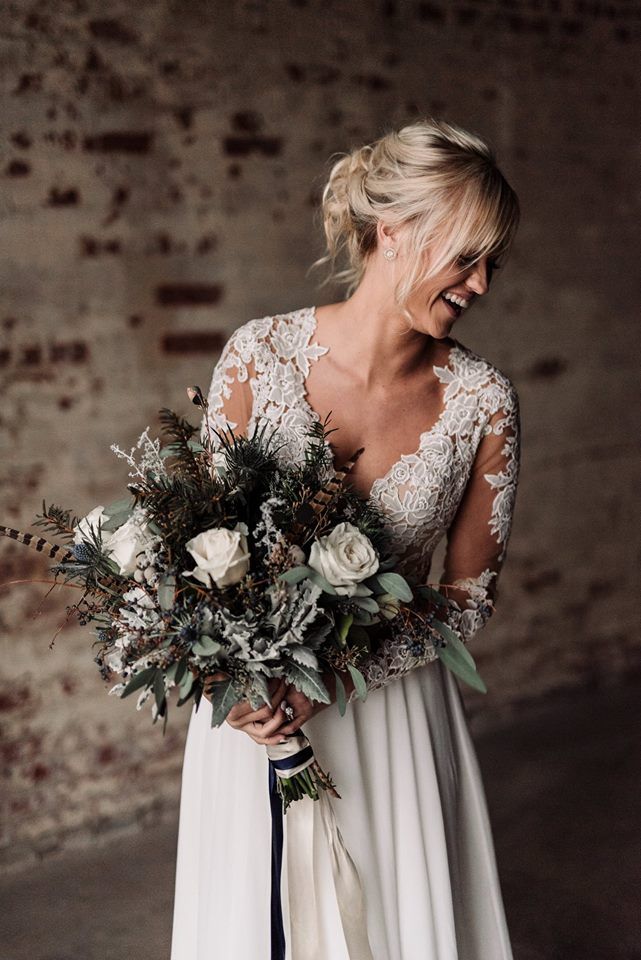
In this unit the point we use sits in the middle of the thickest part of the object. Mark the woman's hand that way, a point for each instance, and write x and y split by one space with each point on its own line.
258 724
261 725
270 725
304 708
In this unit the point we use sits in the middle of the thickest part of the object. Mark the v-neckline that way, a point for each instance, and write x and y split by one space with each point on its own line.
378 482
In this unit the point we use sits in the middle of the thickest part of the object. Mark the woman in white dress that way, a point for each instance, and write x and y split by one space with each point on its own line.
424 215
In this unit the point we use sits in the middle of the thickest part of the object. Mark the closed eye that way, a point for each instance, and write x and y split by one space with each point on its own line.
466 261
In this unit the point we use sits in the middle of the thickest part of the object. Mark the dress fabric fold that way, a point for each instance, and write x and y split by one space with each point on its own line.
413 814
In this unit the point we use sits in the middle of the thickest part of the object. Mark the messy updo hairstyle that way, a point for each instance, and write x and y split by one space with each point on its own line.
436 179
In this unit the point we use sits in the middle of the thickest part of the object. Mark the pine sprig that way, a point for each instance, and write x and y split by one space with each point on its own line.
180 432
250 460
55 519
182 506
318 453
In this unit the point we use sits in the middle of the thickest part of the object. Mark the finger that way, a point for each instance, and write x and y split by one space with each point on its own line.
293 726
244 713
256 734
279 694
240 710
261 715
271 726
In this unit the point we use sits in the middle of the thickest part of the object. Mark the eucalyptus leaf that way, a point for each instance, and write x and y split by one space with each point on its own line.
186 684
368 604
180 672
454 662
185 698
159 689
206 646
429 593
397 585
359 681
120 506
172 669
141 679
321 582
455 641
341 695
295 574
116 514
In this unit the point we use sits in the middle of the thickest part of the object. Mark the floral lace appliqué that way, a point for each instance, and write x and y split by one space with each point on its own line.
421 493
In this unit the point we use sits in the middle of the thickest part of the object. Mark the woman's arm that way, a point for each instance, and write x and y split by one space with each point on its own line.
476 544
229 402
230 397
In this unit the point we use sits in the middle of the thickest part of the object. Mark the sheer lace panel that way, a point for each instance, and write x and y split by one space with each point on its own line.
476 545
461 480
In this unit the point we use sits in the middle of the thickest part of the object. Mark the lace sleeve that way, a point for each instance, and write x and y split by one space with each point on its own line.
230 396
476 545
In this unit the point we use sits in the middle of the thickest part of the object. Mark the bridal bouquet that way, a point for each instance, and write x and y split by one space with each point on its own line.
227 567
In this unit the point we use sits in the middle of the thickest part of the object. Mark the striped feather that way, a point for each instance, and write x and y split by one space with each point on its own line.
313 508
331 489
38 543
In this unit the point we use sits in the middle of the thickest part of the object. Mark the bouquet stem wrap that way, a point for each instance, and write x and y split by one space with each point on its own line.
286 760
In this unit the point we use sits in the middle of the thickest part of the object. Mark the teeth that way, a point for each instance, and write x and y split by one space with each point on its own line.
459 301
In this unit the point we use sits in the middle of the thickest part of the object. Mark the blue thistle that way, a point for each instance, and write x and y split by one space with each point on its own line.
83 552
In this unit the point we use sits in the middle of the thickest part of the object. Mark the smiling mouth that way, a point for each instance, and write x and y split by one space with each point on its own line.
453 309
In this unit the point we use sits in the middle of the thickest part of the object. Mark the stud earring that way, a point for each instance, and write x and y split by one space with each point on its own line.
389 254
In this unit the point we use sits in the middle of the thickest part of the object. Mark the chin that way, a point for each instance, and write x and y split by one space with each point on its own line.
441 332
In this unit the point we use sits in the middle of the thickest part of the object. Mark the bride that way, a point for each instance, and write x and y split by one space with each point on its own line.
425 218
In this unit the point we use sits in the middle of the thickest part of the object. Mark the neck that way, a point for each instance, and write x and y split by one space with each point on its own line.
370 337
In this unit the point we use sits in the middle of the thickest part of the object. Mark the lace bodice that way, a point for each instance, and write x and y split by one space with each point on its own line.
462 479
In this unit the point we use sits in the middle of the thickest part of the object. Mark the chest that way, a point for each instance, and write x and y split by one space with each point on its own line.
417 461
387 422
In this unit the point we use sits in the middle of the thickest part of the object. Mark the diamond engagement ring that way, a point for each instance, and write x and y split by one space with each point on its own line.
287 709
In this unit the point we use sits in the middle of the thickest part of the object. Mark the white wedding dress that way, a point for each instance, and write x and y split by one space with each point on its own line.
413 812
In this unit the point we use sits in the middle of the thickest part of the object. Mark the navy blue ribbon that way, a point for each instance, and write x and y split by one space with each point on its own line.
277 929
276 804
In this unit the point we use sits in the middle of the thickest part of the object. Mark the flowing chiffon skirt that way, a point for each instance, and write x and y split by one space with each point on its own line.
413 816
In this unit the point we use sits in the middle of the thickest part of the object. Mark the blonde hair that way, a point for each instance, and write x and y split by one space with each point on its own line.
436 179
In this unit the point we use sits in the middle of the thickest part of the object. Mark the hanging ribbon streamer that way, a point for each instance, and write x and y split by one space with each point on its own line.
276 911
286 760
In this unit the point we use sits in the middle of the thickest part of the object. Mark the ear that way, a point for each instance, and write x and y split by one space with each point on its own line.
385 235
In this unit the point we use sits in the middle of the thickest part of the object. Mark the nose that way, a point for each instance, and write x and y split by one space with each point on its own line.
478 279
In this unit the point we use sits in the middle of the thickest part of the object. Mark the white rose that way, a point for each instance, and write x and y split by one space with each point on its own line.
125 543
82 531
221 556
345 557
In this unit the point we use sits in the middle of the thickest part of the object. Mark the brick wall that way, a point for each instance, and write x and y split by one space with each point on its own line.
161 167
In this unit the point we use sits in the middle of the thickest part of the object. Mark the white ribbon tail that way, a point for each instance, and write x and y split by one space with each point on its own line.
347 884
300 870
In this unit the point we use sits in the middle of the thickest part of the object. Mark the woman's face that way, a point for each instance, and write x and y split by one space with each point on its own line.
439 302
